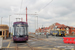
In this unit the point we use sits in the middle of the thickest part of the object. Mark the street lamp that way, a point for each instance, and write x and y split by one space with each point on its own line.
9 24
36 21
9 21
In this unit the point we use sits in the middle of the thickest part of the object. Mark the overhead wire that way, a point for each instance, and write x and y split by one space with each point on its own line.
46 5
21 5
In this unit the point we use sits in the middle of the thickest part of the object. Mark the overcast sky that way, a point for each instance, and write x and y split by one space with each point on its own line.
49 12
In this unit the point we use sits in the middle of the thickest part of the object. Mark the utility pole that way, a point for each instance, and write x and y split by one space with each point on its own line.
9 24
26 14
37 22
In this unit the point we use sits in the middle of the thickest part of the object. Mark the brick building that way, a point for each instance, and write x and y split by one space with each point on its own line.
69 29
43 29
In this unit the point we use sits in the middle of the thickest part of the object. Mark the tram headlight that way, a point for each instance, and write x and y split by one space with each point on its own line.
16 36
26 36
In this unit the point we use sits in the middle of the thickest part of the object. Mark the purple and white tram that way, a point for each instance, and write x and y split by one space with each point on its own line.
20 32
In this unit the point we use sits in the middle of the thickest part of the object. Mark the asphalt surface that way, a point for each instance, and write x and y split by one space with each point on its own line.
38 43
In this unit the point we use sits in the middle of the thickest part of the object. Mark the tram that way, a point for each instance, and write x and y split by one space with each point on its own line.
57 32
20 31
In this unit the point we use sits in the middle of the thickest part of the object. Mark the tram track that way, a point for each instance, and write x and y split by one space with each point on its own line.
17 48
29 46
41 41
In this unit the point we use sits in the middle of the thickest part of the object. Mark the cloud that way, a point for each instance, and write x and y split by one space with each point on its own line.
57 11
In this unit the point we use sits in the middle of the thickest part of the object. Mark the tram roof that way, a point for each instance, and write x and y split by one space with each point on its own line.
20 22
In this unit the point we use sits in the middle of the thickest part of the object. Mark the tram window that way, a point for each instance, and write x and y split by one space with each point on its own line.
56 32
17 30
62 32
13 30
27 30
20 30
23 31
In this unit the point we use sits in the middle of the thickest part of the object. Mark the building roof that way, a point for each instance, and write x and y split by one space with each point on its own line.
71 27
4 26
57 24
47 27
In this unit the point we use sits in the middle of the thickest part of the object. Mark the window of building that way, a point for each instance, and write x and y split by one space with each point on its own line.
58 29
67 28
67 32
72 32
72 28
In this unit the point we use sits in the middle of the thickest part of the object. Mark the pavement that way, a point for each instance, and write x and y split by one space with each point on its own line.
38 43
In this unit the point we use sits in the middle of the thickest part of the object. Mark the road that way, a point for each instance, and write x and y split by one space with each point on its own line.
51 43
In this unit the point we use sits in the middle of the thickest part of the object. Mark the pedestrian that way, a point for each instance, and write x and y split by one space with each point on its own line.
37 35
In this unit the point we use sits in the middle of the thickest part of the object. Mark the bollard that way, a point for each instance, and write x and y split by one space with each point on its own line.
1 39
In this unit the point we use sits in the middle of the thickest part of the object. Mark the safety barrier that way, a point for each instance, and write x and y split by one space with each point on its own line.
70 40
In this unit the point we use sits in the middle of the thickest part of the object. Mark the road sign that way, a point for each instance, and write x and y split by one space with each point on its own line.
1 42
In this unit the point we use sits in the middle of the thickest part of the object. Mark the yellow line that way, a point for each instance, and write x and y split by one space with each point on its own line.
38 48
8 44
41 48
72 49
9 47
23 47
4 47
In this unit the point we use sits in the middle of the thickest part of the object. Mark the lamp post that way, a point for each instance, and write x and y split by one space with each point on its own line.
37 26
9 21
9 24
